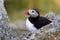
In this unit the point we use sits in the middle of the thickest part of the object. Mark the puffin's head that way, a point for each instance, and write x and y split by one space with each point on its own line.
32 12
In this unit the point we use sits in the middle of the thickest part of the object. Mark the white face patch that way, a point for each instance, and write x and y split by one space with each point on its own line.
33 13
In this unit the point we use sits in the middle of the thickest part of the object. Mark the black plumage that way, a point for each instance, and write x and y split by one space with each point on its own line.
39 21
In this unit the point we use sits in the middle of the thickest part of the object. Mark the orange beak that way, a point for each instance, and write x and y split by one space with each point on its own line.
26 12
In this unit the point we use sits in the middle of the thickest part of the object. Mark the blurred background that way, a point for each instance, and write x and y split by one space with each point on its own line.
17 18
15 7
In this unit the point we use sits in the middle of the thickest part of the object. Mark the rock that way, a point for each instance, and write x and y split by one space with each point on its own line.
29 36
18 25
9 33
51 16
6 31
55 18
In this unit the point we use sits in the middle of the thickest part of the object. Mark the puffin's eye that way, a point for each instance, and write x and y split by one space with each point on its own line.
32 11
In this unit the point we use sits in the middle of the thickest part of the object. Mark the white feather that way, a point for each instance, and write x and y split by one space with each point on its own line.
31 27
33 14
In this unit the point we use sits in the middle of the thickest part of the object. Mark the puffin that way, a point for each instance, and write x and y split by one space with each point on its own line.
34 21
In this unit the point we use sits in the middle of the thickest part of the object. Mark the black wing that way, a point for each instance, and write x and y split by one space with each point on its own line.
39 22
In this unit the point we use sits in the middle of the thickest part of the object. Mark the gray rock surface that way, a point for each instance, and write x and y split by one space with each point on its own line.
55 18
7 32
51 16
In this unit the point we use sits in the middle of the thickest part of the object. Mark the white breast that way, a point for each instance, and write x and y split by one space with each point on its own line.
30 27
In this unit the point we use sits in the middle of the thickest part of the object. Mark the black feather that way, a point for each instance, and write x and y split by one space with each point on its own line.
36 10
39 21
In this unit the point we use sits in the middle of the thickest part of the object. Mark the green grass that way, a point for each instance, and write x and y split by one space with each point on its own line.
14 7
